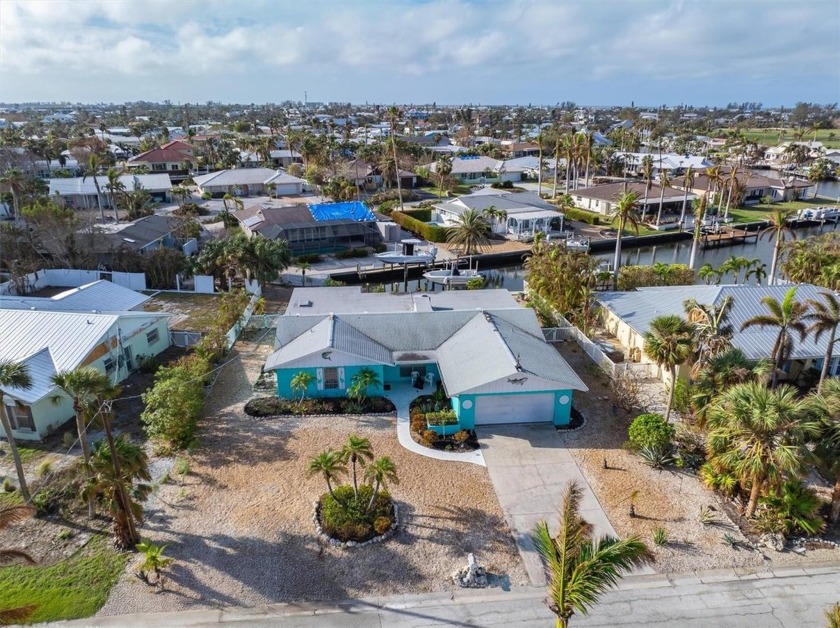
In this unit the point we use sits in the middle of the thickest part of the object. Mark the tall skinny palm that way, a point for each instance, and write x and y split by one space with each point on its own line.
732 182
647 175
330 465
787 316
688 184
777 231
624 211
824 319
580 568
760 435
380 472
393 116
92 169
471 232
14 375
669 343
356 451
699 215
664 183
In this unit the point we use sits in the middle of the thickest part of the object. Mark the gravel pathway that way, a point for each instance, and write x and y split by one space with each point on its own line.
240 529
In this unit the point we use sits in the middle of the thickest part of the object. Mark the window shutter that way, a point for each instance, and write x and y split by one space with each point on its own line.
319 375
341 385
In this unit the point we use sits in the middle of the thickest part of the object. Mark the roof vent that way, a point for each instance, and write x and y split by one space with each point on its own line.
305 304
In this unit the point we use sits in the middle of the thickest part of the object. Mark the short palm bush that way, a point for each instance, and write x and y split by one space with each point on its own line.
793 508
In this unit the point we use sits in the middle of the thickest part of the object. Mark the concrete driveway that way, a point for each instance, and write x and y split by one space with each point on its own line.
530 467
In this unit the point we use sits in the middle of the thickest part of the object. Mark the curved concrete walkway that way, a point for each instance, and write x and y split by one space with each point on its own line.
402 396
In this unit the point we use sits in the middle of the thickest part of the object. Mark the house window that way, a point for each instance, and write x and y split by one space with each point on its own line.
109 365
153 336
159 167
21 417
330 378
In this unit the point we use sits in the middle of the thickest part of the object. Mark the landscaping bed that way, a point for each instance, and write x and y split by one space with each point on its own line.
352 523
266 407
430 411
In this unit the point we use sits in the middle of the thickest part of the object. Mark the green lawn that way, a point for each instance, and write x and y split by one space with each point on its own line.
459 190
74 588
770 137
30 454
761 211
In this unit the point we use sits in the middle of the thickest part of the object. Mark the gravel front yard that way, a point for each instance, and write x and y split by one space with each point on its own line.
240 528
670 499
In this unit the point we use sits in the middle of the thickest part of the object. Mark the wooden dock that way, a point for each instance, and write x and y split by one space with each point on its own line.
727 236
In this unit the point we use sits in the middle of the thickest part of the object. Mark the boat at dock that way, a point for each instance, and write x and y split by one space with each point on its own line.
451 275
817 214
408 252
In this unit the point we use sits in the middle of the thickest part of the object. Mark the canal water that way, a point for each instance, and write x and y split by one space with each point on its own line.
512 277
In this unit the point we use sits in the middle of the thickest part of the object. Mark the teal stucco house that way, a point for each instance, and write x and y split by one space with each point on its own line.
485 350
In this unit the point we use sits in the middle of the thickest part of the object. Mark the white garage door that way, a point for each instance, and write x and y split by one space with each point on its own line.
288 188
495 409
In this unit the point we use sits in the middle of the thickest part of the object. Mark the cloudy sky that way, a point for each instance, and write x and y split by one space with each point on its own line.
416 51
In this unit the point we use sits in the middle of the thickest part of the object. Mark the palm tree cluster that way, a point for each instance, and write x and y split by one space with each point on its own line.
357 452
471 233
242 258
815 260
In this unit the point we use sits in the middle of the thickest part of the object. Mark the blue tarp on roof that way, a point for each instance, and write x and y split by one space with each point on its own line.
353 210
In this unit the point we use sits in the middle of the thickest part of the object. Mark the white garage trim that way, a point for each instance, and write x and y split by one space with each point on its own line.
497 409
288 188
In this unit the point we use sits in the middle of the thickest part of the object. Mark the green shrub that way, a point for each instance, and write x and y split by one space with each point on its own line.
8 485
381 525
352 253
182 466
793 508
582 215
632 277
718 478
682 396
660 536
68 438
442 417
348 519
432 233
650 431
206 196
423 215
309 258
175 402
44 469
333 283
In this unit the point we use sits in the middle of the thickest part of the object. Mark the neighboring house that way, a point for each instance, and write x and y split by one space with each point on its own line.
319 228
487 352
49 342
522 149
478 169
175 157
526 212
97 297
755 186
528 167
80 192
143 235
283 158
249 182
603 199
627 316
673 163
361 173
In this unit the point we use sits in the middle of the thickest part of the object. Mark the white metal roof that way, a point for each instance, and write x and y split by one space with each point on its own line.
81 186
98 296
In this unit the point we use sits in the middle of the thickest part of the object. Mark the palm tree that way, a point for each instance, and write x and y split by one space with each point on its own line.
303 266
14 375
760 435
664 182
558 145
82 385
820 170
669 344
472 232
647 175
300 383
579 567
153 560
735 264
824 318
588 144
713 333
756 269
733 183
539 164
329 464
624 211
356 450
393 115
778 229
443 168
715 183
93 164
707 272
688 183
8 516
380 472
112 484
271 188
788 316
699 214
114 187
13 178
724 370
364 379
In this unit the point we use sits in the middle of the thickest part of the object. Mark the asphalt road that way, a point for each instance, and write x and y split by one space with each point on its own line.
786 597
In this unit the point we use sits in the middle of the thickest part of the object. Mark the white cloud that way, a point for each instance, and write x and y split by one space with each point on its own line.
408 49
